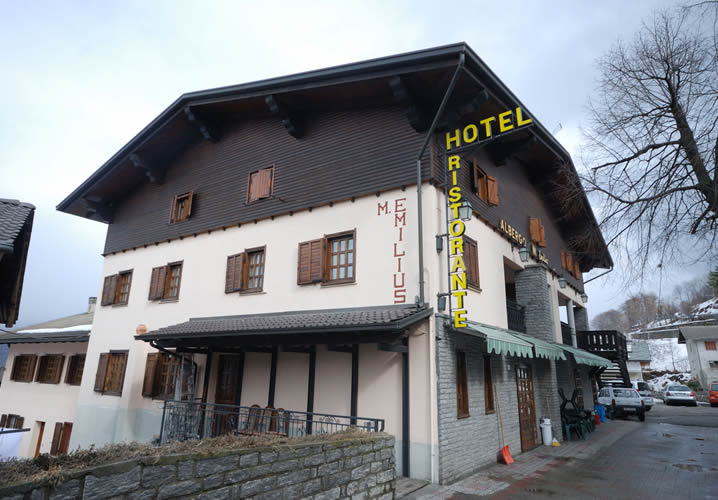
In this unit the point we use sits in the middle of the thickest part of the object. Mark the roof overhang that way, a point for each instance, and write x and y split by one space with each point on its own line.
45 338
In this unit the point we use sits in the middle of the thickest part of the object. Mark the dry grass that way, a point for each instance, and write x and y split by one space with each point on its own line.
46 467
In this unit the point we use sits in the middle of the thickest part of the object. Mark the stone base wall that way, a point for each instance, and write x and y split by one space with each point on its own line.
353 468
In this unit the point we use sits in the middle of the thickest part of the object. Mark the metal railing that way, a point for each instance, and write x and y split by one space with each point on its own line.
516 316
183 420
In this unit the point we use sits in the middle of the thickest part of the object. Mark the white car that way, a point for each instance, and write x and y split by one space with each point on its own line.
679 394
623 401
645 392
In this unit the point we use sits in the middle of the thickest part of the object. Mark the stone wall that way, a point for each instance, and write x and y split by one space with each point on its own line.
533 292
353 468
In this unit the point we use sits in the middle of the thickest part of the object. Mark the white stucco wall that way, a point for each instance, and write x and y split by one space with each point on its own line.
699 358
36 402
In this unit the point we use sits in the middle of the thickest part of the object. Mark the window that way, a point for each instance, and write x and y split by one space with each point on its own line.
161 373
245 271
110 375
181 207
23 368
11 421
485 186
165 281
261 184
116 288
488 385
462 387
710 345
471 261
50 369
536 230
61 438
329 260
74 369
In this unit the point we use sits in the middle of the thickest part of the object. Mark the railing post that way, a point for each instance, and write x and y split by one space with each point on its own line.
162 425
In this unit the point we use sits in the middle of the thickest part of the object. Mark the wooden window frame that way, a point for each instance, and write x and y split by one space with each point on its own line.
239 268
462 386
160 287
320 271
270 192
160 379
112 288
167 295
31 367
11 421
479 182
251 252
328 267
103 375
183 201
710 345
75 364
470 282
61 438
44 376
489 395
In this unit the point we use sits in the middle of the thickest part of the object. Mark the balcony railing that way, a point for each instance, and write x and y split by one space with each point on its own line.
183 420
610 344
516 316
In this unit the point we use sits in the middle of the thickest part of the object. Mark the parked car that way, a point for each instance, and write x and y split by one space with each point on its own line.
713 394
645 391
623 401
679 394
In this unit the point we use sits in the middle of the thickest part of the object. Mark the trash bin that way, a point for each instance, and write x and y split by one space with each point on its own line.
546 431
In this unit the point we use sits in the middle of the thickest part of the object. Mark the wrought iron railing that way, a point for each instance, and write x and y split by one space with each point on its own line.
183 420
516 316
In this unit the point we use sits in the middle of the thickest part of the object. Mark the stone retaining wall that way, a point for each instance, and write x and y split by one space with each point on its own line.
353 468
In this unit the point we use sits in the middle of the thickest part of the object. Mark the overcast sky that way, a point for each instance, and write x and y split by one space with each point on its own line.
80 79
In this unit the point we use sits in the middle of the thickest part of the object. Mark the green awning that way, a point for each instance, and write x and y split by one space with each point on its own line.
542 348
501 341
586 358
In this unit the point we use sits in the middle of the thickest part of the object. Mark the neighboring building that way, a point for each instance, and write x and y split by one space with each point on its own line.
3 360
15 230
701 343
265 232
40 386
639 358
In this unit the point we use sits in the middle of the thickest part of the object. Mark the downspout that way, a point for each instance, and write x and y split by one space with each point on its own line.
427 138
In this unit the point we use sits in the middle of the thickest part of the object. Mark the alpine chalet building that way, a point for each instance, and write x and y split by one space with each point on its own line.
273 265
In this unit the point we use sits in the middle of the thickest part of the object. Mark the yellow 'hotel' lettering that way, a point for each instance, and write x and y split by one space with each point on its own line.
470 133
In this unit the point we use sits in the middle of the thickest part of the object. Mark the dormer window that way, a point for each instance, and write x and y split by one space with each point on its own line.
261 184
181 207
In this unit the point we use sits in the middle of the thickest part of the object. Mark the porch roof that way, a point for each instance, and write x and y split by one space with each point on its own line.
318 326
500 341
543 348
586 358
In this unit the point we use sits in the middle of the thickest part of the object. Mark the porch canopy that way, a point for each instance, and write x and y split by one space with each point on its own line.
376 324
586 358
500 341
543 348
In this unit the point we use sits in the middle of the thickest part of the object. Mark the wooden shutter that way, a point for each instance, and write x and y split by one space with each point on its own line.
535 229
60 366
310 261
263 181
157 282
188 205
569 262
107 295
101 372
31 370
173 210
19 421
488 385
462 395
121 370
542 241
56 437
475 177
576 270
471 259
149 384
71 364
65 441
493 190
563 259
3 421
242 275
15 368
321 260
230 279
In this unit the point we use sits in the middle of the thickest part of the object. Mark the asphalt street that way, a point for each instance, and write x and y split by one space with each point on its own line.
672 455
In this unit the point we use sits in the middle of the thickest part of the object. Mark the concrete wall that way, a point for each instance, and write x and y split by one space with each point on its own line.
36 402
699 359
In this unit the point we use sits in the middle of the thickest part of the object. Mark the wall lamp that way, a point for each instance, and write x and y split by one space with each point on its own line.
524 254
465 210
562 282
584 297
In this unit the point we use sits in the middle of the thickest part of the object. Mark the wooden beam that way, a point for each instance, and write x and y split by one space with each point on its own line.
417 116
209 132
96 206
453 115
291 119
155 174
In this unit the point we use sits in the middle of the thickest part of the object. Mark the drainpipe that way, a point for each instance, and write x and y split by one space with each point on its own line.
427 138
571 322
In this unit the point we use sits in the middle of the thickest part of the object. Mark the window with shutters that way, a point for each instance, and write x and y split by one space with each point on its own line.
161 374
245 271
329 260
61 438
261 184
11 421
49 369
181 207
488 385
110 375
75 367
480 184
340 258
462 386
116 289
23 368
537 232
471 261
165 282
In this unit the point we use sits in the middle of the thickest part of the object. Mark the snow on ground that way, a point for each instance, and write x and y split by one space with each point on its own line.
668 354
659 383
709 307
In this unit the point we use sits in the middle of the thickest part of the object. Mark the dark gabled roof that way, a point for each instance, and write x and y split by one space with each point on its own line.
75 328
16 220
44 338
376 319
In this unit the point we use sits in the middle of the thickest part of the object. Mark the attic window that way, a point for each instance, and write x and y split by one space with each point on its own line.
261 184
484 186
181 207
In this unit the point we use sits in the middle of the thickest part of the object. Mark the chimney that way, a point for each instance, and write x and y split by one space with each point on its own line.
91 304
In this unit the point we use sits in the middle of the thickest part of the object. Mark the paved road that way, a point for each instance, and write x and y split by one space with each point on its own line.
673 455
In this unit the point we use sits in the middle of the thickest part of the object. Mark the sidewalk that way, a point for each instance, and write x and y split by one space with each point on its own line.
497 478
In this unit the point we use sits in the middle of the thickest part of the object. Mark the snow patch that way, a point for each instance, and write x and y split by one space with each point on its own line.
76 328
668 355
659 384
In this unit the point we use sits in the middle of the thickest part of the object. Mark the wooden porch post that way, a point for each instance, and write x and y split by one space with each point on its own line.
240 380
310 386
272 377
355 383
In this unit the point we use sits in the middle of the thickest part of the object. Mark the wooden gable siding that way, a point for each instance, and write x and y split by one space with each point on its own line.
344 153
519 199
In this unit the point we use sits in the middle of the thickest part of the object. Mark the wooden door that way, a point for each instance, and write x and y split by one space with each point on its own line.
226 393
527 408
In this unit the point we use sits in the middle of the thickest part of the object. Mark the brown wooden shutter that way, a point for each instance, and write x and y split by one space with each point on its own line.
101 372
576 270
15 368
563 259
60 366
173 210
106 297
252 187
471 259
462 396
33 365
488 385
19 421
535 229
188 204
56 437
121 370
309 262
70 367
542 241
321 260
262 184
242 274
157 282
493 190
149 383
3 421
569 262
65 441
229 279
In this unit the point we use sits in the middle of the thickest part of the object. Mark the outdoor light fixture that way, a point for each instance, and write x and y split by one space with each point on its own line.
465 210
524 254
584 297
562 282
441 304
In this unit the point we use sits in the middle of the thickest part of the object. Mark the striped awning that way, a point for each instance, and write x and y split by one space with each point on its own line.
586 358
500 341
543 348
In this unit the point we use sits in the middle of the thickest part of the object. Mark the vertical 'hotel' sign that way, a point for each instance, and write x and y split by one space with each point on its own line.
471 133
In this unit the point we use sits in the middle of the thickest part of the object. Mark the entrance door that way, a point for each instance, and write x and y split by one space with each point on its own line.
226 393
527 409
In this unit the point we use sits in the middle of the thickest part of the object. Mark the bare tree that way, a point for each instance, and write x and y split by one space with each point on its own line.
652 146
640 309
611 320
